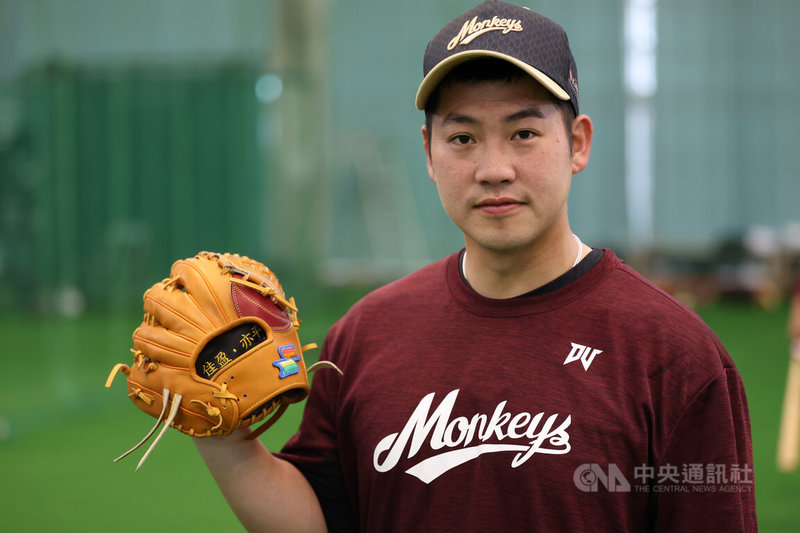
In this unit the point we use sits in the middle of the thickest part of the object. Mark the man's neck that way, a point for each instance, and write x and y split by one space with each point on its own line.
503 275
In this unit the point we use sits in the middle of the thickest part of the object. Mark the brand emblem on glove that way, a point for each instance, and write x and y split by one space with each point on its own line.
287 364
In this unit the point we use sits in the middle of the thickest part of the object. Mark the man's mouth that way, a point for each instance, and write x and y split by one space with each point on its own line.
498 206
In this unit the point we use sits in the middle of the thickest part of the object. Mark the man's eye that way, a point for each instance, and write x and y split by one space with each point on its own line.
525 134
462 139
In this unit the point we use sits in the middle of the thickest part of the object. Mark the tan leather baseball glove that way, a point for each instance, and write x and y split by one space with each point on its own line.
217 349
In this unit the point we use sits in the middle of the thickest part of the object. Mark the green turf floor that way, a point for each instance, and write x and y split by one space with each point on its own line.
60 429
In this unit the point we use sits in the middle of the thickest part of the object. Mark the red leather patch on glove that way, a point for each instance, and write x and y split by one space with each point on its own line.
249 302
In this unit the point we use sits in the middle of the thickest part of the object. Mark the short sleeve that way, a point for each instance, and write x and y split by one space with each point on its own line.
709 460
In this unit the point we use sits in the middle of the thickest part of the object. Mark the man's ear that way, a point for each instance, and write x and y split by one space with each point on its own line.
582 131
426 144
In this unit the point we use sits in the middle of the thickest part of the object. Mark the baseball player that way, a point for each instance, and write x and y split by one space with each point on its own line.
528 382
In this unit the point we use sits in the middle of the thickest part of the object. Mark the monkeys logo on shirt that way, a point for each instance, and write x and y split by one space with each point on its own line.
463 439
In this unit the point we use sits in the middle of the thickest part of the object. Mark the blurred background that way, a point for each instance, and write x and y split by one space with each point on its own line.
136 133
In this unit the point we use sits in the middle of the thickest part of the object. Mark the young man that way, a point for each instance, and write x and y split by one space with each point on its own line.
527 383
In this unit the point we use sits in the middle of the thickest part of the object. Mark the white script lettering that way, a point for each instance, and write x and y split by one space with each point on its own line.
472 29
537 433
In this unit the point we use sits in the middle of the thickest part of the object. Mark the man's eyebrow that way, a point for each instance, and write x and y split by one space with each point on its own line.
532 111
458 118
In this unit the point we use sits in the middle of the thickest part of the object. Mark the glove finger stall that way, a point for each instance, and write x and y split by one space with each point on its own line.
161 344
177 311
208 286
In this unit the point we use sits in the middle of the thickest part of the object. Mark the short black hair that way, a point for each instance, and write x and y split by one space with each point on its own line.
493 70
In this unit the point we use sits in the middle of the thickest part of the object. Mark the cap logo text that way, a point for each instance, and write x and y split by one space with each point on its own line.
472 29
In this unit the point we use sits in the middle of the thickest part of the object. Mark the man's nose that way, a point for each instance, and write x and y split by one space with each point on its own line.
494 165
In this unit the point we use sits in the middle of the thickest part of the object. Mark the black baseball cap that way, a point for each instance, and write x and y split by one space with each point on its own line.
515 34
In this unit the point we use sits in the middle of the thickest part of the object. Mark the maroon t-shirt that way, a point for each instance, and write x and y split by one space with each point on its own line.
604 405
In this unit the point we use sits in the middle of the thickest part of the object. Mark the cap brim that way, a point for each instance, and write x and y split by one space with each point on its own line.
441 70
